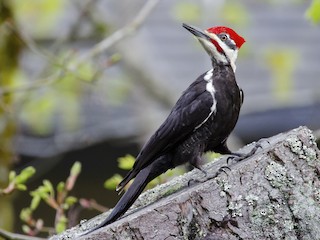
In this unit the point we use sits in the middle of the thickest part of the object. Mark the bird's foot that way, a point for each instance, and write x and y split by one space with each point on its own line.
222 169
237 157
196 164
200 169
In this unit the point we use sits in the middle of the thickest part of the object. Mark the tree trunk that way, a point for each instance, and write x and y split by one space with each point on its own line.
275 194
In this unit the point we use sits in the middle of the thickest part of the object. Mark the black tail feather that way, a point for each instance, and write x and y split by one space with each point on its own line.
125 181
159 166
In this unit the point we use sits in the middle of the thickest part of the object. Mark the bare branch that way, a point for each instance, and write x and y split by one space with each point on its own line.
121 33
95 50
14 236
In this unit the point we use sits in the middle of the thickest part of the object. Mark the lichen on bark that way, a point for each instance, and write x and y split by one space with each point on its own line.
272 195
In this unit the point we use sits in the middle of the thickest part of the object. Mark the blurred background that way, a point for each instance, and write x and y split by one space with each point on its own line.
90 81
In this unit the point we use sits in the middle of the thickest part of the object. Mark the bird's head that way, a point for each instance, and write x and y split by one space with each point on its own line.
221 43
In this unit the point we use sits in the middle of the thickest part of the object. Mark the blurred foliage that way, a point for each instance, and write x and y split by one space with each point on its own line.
234 13
111 183
187 11
18 182
313 12
38 17
54 101
38 112
57 198
282 63
212 156
61 98
126 163
55 95
10 48
118 90
231 12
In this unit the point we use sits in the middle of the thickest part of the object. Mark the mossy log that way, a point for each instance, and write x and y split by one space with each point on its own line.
275 194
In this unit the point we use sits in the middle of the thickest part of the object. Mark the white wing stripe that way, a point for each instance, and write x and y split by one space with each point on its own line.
208 76
210 88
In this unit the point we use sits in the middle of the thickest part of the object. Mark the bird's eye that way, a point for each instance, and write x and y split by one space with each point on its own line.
223 37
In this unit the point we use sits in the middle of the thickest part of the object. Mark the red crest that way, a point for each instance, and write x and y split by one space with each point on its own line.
233 35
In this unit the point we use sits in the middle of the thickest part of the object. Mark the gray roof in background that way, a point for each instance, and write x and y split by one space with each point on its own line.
173 59
173 55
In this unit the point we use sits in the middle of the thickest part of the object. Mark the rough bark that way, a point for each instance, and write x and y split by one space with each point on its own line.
275 194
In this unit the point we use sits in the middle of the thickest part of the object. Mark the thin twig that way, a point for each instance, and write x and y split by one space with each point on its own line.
95 50
30 43
92 204
29 86
118 35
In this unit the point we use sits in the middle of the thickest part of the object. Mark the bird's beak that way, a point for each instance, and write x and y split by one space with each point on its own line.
196 32
203 37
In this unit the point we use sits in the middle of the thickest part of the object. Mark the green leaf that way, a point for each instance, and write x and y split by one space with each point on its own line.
12 175
44 195
71 200
61 225
76 169
313 12
112 182
25 175
26 229
35 202
48 186
21 187
25 214
61 187
42 192
126 162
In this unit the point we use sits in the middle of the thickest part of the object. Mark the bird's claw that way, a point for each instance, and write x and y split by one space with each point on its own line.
192 181
237 157
200 169
222 169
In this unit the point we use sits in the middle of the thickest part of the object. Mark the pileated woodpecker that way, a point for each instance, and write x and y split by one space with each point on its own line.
200 121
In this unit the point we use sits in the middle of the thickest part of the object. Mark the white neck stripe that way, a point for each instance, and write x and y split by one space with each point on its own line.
229 55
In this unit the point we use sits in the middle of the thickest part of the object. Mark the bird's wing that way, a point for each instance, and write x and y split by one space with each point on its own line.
192 109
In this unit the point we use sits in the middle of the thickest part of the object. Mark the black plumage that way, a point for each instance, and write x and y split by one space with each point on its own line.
200 121
181 134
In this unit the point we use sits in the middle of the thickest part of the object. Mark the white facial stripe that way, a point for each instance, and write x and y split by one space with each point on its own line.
212 51
230 53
